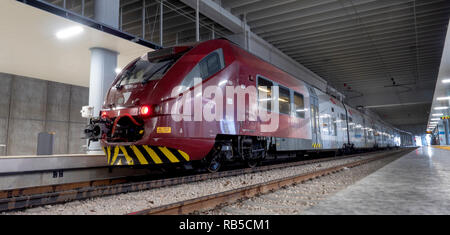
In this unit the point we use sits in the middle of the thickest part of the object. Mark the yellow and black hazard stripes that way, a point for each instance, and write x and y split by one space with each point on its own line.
143 155
316 146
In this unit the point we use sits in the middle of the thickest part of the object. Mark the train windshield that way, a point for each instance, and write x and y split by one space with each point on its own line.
143 71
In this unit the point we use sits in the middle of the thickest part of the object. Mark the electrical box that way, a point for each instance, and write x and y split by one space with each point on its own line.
45 143
87 112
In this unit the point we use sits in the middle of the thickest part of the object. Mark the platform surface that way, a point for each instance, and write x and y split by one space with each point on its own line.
417 183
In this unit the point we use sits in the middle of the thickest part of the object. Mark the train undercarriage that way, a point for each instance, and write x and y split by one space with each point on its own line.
252 150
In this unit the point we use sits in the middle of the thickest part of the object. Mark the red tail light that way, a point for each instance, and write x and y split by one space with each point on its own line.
104 114
145 111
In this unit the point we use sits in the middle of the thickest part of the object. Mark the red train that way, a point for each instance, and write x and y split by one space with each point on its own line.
153 111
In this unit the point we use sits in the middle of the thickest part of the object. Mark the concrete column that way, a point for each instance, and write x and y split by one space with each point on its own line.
197 21
103 61
161 24
143 14
103 65
107 12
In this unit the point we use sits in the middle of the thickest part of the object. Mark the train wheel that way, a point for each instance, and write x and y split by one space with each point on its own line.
214 165
252 163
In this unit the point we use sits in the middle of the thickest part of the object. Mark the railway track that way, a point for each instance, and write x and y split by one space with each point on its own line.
213 201
18 199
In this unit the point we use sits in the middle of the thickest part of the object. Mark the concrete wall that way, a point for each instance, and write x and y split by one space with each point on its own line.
29 106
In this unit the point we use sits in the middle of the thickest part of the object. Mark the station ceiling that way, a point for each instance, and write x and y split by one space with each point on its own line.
365 48
30 48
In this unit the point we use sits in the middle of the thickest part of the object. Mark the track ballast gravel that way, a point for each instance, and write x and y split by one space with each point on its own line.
298 198
136 201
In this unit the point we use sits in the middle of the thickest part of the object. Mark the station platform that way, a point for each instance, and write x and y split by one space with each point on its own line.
417 183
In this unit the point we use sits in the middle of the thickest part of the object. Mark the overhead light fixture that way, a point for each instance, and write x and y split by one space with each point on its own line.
438 114
434 122
443 98
435 119
446 81
440 108
69 32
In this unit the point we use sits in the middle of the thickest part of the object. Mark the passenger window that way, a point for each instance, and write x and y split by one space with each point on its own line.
299 105
334 127
342 121
208 66
326 119
350 124
285 101
357 131
265 93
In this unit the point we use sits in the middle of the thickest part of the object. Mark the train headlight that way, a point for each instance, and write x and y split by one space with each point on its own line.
104 114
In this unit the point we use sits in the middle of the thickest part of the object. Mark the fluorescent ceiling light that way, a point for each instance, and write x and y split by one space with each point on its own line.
444 98
440 108
69 32
434 122
438 114
435 119
446 81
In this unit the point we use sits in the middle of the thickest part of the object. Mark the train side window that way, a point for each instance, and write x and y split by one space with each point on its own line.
334 127
357 131
285 101
350 124
299 105
265 93
211 64
342 121
208 66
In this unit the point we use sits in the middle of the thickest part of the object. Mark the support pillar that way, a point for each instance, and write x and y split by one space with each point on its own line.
107 12
103 65
103 61
197 21
161 24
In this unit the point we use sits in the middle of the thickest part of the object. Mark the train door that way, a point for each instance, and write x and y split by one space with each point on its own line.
315 128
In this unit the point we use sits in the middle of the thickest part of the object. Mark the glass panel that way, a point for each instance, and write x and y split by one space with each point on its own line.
189 80
299 105
265 93
207 67
285 101
143 71
334 127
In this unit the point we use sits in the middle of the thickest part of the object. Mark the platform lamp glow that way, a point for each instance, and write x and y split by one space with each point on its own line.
443 98
441 108
69 32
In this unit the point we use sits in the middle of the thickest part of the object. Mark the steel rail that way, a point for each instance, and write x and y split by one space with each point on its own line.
17 199
210 202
